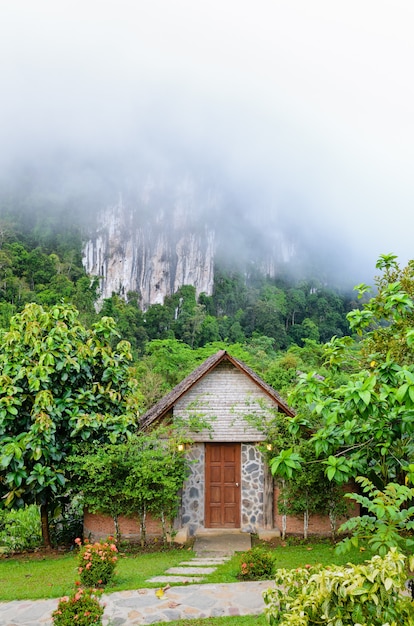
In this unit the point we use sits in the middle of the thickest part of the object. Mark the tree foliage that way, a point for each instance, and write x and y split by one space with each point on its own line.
387 522
363 422
143 475
60 383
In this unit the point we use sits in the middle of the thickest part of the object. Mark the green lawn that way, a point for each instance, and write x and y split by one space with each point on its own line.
292 556
54 576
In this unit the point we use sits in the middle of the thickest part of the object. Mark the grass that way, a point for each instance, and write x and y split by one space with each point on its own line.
242 620
33 578
292 556
40 576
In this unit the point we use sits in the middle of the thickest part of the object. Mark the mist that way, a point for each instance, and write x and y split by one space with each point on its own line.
298 113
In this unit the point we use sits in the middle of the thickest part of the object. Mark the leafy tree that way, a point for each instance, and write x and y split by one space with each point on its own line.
129 320
171 358
59 384
100 474
156 475
363 422
141 476
389 315
387 521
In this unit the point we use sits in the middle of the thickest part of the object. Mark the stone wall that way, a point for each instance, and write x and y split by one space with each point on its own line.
192 505
252 484
252 514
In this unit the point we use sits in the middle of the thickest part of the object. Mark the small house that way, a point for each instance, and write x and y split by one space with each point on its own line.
230 485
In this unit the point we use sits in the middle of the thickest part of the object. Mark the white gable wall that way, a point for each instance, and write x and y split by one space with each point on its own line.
224 397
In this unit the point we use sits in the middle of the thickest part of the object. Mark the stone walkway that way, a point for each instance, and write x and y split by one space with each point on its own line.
143 606
129 608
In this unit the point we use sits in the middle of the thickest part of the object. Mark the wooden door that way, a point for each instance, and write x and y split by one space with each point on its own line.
222 505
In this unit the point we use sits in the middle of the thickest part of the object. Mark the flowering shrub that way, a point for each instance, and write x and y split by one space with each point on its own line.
97 562
256 564
82 608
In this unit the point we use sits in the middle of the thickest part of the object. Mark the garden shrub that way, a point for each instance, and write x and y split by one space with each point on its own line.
81 608
256 564
20 529
66 523
97 562
369 594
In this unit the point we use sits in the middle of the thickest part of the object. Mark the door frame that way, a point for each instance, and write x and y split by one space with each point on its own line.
236 484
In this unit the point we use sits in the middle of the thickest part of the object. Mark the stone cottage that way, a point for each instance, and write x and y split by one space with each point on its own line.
230 485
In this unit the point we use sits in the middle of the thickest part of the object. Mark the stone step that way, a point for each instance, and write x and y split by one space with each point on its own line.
204 562
176 579
190 571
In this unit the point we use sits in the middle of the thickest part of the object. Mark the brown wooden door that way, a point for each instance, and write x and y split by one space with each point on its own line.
222 506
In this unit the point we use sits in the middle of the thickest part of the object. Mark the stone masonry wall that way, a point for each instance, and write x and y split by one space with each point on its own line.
252 488
192 505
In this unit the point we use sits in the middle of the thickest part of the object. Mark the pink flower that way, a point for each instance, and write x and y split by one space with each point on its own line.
78 541
113 547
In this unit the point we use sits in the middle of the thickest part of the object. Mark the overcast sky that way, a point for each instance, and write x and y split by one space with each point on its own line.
306 105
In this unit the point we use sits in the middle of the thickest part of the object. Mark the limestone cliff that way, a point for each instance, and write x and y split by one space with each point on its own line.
171 235
152 248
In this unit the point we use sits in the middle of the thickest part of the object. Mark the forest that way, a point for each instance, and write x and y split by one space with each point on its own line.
76 376
257 318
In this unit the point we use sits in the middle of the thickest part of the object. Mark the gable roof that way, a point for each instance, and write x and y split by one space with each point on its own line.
163 406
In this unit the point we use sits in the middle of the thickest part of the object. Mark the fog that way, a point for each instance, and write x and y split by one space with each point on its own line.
300 113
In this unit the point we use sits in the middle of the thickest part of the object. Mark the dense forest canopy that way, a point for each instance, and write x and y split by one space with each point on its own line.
41 261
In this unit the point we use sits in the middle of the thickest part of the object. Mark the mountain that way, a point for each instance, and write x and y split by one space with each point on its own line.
173 233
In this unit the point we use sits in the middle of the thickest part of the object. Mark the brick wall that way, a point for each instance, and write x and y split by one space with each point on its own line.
318 524
97 526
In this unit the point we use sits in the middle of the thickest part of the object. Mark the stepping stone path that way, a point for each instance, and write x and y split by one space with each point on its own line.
190 571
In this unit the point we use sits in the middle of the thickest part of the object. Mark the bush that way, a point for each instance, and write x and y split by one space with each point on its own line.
20 529
256 564
67 521
370 593
82 608
97 562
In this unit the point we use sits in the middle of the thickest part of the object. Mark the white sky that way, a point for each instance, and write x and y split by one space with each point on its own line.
310 102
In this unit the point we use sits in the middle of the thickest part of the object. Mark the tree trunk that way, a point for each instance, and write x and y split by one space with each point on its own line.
143 525
305 523
45 526
164 530
117 530
332 521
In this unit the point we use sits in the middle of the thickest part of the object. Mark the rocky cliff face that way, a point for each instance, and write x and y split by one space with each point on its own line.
170 236
152 248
